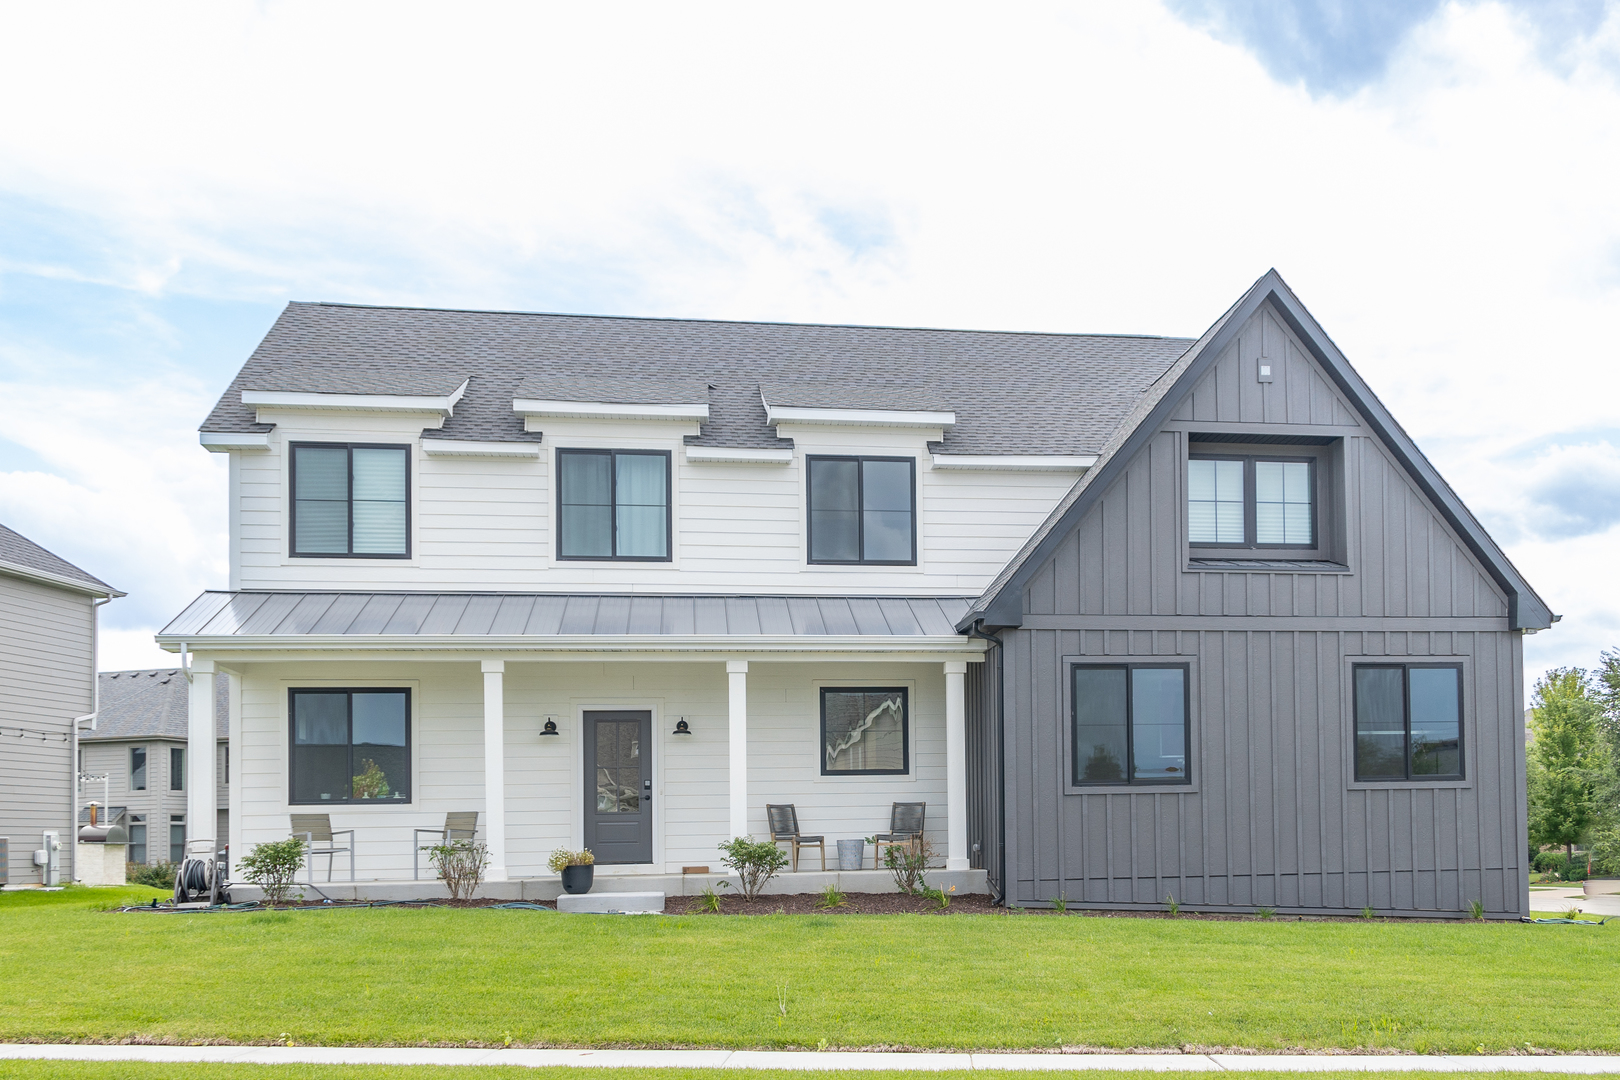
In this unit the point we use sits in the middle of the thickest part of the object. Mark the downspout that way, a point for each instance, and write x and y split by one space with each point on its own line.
977 630
95 711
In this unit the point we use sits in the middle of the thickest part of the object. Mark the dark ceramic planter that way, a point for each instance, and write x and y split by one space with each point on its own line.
577 879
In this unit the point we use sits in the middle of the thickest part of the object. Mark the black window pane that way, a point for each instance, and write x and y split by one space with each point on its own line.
1158 724
586 487
1436 721
1099 725
1380 724
886 485
379 501
137 840
177 838
381 760
835 511
177 769
320 719
321 496
641 505
137 769
863 731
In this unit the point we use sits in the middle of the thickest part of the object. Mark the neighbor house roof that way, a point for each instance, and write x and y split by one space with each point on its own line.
22 557
153 704
1012 393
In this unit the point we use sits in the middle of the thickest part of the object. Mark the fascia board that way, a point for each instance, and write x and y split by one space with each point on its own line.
786 414
730 455
223 442
607 410
1016 462
570 643
408 403
470 448
45 577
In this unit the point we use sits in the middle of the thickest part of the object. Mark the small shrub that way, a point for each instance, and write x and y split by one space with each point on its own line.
158 875
1171 904
273 867
831 898
1476 910
461 865
909 865
1265 913
707 901
562 858
754 861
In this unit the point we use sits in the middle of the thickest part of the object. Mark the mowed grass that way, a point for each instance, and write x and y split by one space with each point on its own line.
397 976
78 1070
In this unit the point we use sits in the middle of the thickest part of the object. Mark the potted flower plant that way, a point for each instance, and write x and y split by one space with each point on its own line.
576 867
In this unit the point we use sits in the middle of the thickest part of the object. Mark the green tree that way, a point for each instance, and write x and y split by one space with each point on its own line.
1568 760
1605 836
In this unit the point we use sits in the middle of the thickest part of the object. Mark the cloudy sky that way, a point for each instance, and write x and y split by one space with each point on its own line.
1440 183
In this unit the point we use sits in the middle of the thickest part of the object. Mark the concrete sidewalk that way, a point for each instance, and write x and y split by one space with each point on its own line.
807 1059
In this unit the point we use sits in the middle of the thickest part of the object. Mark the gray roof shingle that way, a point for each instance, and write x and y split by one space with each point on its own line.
151 705
21 551
1013 393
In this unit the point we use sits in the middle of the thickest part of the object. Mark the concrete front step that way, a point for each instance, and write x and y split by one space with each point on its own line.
549 888
611 902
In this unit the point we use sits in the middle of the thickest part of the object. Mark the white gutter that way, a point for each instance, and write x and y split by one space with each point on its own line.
575 643
442 404
610 410
93 716
469 448
223 442
1016 462
732 455
909 418
45 577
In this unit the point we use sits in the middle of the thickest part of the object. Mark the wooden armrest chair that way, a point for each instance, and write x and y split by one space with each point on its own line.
457 826
317 829
784 822
905 827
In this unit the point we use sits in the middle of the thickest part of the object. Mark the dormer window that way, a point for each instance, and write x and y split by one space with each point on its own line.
613 504
863 510
1251 501
350 501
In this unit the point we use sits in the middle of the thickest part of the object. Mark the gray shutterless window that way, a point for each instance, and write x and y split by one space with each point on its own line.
137 769
177 769
1245 501
863 510
177 838
1130 724
613 504
1408 721
350 746
350 501
137 838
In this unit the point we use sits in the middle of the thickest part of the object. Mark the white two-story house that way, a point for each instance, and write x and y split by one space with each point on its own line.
620 583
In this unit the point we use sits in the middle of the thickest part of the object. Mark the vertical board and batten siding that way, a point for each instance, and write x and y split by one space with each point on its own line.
1273 817
45 680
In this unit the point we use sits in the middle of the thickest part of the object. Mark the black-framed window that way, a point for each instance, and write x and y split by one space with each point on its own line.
613 504
349 746
1236 500
1131 724
137 768
863 510
177 768
137 838
865 731
177 838
351 500
1408 721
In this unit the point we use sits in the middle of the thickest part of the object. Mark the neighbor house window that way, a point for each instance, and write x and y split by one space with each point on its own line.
613 504
177 838
863 510
863 731
137 838
137 768
350 501
350 746
1408 721
177 769
1130 724
1251 502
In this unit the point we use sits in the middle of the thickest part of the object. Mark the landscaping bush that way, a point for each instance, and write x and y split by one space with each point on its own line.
1548 862
273 867
909 863
158 875
461 865
755 862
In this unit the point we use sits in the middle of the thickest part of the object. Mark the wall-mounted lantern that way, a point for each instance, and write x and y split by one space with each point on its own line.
681 727
549 728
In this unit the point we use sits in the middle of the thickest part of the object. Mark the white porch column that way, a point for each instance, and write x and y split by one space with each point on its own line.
956 843
202 743
737 680
495 767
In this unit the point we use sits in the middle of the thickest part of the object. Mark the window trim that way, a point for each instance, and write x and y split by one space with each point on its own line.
860 514
292 734
1251 502
1459 777
1072 770
292 500
613 504
905 729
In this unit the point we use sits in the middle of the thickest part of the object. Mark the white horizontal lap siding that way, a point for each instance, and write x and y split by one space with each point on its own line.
975 521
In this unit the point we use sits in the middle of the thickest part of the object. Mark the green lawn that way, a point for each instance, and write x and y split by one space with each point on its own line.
75 1070
483 976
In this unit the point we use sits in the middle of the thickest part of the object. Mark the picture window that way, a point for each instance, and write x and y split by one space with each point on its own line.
350 746
864 731
1130 724
1408 721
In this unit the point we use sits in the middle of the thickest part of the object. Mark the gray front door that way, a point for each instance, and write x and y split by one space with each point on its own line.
618 786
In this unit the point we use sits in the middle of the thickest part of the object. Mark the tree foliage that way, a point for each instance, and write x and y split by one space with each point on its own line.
1568 759
1605 835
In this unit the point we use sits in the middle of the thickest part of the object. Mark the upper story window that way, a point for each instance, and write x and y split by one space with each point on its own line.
1408 721
177 768
350 501
1255 502
863 510
137 768
1130 724
613 504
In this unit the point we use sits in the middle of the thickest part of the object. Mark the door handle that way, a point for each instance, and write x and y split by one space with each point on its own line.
646 785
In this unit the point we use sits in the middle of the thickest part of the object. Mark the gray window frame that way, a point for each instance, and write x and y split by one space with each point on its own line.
1250 503
613 504
860 515
1406 722
905 729
1075 780
350 691
292 501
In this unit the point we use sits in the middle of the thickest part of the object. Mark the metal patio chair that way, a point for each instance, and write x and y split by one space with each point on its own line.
317 829
784 822
457 826
905 827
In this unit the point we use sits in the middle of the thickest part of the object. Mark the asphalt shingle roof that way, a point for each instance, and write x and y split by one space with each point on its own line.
151 705
1013 393
21 551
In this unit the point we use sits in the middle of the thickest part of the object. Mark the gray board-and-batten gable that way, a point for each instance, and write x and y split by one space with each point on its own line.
1273 815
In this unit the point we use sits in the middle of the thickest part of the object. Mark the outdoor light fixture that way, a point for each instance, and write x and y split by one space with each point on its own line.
681 727
550 727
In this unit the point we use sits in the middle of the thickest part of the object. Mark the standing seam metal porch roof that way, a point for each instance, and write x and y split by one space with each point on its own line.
461 614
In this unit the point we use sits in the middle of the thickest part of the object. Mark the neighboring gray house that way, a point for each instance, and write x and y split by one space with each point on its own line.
47 664
1260 656
140 745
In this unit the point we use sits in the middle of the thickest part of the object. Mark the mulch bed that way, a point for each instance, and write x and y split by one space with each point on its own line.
854 904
